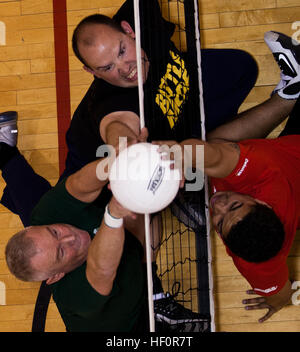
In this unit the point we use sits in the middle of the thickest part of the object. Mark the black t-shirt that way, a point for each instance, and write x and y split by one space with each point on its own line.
168 102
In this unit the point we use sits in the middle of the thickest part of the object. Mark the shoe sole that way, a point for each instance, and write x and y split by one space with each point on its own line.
162 318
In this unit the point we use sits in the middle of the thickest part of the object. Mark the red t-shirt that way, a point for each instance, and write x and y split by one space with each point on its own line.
269 170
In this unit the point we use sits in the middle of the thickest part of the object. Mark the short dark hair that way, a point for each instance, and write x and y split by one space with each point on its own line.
92 19
258 236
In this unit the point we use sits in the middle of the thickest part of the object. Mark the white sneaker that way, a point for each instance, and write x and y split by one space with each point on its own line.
8 128
286 52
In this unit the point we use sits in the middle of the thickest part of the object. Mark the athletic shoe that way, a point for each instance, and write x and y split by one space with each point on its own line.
189 208
173 315
199 326
286 52
8 128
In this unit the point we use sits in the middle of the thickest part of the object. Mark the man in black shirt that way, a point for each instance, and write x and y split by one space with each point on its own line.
107 50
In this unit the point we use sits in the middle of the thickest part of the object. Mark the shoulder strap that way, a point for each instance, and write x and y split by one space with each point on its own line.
41 308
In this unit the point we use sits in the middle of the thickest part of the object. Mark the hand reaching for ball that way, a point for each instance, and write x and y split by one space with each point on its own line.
118 211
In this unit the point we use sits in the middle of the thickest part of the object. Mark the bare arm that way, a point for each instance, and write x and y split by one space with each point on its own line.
84 184
256 122
87 183
119 124
220 159
105 252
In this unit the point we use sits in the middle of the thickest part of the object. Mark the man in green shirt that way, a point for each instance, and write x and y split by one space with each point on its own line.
94 265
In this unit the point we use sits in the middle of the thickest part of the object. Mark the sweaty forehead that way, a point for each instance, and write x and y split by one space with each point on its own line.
91 33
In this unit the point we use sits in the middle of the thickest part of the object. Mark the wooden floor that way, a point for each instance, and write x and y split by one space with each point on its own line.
27 84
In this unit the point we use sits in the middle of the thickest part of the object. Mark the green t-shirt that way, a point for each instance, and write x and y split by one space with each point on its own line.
81 307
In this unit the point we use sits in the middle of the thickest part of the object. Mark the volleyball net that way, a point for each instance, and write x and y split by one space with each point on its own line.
184 253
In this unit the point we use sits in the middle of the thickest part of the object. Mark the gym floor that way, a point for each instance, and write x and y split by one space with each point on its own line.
28 85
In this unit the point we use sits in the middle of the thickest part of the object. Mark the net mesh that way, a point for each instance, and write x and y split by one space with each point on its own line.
183 251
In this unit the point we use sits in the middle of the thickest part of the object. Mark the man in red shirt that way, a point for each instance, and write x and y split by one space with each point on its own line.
264 182
255 207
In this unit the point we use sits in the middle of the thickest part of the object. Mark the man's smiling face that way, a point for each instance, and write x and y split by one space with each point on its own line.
111 54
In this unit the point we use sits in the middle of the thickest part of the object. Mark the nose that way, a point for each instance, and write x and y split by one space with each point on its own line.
122 67
220 204
68 239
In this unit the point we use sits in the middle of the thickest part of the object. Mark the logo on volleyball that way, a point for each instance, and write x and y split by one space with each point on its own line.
156 179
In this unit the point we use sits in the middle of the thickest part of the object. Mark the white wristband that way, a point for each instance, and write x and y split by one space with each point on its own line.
111 221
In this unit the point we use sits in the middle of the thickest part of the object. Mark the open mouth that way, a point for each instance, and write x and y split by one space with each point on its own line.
132 75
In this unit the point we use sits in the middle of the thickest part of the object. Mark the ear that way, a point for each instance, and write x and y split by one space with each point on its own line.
55 278
89 70
263 203
127 29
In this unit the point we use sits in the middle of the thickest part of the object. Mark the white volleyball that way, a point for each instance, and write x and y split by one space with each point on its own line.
141 181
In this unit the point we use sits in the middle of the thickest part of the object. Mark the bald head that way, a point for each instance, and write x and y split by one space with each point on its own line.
108 51
86 30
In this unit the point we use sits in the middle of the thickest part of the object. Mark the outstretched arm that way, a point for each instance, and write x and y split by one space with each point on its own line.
119 124
106 250
84 184
256 122
220 158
